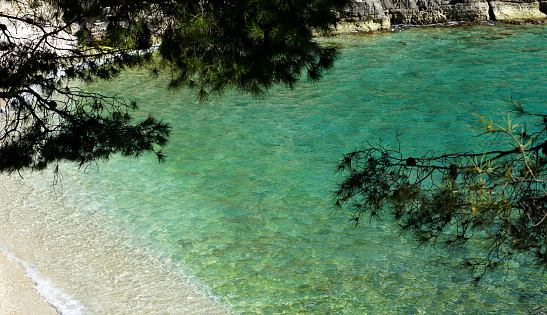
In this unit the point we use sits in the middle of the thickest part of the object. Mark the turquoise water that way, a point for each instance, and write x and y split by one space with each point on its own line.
243 203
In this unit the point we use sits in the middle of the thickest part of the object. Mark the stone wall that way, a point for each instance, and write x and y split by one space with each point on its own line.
375 15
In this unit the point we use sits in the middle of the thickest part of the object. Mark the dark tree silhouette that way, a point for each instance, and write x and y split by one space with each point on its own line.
48 47
497 198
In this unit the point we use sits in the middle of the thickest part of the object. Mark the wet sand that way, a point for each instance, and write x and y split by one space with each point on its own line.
18 295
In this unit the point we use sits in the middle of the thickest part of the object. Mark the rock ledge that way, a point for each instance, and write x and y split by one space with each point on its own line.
380 15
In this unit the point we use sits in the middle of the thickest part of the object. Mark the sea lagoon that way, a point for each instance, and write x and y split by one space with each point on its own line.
240 219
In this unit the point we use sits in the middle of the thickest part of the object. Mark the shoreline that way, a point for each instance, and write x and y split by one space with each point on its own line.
23 289
19 293
357 27
35 278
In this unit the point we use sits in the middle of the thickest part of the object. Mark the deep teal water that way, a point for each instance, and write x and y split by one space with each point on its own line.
243 202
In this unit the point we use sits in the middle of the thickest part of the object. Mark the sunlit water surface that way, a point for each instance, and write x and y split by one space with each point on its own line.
240 216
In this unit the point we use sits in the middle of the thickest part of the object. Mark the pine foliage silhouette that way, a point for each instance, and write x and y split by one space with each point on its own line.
49 47
497 199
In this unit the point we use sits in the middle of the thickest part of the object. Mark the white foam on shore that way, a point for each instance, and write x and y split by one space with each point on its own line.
61 301
81 259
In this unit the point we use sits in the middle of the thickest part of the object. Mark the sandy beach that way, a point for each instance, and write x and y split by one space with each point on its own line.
18 293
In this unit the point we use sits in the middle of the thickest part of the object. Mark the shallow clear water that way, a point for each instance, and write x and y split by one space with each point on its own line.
241 211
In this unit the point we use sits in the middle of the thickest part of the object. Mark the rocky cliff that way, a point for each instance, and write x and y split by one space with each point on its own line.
372 15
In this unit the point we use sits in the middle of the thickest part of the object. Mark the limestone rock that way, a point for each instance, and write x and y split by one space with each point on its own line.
372 15
517 10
